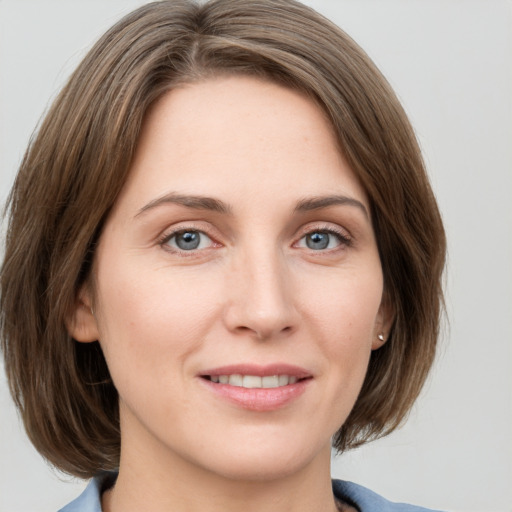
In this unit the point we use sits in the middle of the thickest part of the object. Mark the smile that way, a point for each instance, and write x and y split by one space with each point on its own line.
257 388
253 381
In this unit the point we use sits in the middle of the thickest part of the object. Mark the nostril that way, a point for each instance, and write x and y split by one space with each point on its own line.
263 322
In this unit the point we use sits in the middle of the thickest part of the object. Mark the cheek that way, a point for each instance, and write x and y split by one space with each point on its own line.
342 317
152 320
345 305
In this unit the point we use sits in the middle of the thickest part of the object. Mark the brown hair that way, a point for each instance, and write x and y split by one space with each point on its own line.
78 162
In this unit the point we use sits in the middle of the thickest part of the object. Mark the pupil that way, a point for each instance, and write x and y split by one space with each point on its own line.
188 240
317 241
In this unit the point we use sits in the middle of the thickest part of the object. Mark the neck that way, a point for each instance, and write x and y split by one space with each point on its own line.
161 481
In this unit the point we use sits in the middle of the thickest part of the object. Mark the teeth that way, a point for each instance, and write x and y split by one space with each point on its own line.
254 381
235 380
283 380
249 381
270 381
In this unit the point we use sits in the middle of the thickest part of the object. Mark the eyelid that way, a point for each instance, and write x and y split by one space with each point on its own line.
343 234
328 227
169 233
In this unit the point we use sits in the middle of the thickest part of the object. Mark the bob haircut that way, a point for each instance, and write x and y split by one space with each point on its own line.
78 162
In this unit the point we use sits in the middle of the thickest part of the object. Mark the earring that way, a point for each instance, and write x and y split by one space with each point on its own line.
381 337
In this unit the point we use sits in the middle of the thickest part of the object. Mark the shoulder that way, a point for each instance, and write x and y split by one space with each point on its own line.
90 499
368 501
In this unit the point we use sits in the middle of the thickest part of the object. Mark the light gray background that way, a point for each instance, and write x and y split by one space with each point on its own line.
451 63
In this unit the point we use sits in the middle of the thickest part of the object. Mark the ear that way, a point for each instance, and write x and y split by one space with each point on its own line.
81 324
384 322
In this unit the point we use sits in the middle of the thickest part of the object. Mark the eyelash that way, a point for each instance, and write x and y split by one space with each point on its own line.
167 237
344 239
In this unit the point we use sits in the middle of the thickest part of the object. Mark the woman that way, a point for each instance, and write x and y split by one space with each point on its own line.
223 254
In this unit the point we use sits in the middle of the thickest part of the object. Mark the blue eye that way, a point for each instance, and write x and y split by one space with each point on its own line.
321 240
189 240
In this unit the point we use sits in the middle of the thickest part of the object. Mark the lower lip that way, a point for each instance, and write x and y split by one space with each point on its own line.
258 399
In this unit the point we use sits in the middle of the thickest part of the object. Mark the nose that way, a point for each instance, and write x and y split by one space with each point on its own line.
260 297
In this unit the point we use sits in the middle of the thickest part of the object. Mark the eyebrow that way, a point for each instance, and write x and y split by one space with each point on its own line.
315 203
211 204
189 201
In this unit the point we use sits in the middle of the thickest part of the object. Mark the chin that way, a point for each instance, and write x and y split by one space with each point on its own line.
258 470
259 461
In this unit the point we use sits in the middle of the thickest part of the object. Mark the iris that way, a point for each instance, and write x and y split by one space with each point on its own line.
318 240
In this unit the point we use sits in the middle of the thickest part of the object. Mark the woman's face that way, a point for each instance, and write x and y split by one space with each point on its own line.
238 284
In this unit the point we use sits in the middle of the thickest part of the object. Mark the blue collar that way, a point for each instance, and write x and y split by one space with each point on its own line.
358 496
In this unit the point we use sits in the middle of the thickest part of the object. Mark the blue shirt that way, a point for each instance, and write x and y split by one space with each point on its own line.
358 496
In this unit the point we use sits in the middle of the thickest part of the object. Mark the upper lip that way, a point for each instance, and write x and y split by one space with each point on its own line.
258 370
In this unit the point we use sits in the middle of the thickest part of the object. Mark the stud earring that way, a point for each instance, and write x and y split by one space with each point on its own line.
381 337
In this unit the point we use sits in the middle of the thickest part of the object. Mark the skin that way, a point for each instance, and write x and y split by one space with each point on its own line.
253 291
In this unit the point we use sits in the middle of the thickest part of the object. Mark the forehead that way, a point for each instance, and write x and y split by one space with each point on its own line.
238 135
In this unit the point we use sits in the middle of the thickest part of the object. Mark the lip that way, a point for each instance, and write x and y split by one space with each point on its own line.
259 370
258 399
